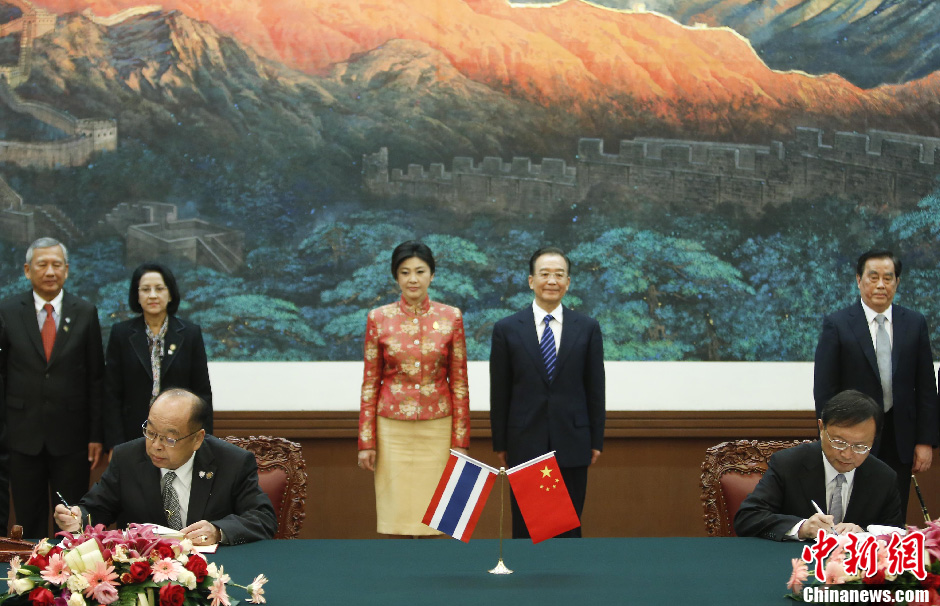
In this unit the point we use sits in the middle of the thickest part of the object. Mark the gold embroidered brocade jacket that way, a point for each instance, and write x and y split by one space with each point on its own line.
415 369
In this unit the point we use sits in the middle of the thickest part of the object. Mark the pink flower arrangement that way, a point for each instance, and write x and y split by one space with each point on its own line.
134 566
876 568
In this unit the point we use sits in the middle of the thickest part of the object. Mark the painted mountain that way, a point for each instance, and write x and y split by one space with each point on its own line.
612 72
869 42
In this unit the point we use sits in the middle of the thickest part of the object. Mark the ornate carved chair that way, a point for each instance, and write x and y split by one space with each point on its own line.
730 472
283 477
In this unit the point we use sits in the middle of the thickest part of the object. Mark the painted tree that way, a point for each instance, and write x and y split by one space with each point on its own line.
654 295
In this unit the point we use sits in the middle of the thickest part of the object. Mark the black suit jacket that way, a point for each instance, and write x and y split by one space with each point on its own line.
56 404
225 491
530 415
128 379
845 359
796 476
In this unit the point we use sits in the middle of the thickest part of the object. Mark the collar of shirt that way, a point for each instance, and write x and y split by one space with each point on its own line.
410 310
831 473
871 313
39 302
541 313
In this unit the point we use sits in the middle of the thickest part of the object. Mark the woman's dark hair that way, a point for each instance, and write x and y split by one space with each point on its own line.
133 299
409 249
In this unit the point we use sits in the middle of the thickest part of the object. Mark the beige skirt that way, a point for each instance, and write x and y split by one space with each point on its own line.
410 458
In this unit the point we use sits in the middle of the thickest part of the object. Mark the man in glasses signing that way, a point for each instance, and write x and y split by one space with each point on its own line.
835 473
177 476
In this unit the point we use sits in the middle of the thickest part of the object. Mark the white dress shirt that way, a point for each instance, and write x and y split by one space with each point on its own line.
40 303
182 484
555 323
873 326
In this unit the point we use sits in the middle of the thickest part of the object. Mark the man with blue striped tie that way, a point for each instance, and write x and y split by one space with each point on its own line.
547 383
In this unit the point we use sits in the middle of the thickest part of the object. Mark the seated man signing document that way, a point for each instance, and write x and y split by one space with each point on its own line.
854 489
178 476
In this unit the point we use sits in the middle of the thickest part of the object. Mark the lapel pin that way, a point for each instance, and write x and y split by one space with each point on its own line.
209 475
202 474
67 320
172 348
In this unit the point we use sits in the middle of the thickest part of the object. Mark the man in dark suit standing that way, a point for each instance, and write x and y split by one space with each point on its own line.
177 476
52 366
883 350
836 473
547 383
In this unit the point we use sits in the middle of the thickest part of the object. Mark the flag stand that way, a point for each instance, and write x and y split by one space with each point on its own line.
500 567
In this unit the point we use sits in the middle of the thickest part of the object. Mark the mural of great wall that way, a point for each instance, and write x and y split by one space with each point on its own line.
149 228
877 168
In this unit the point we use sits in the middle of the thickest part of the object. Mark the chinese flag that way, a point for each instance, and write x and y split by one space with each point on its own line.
543 498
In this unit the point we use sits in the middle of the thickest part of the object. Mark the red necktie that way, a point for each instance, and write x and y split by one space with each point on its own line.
48 331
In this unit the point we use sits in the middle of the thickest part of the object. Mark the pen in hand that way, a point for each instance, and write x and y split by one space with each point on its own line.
820 512
72 513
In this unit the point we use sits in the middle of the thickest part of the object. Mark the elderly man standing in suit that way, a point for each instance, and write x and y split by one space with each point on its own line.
547 383
52 367
177 476
883 350
835 472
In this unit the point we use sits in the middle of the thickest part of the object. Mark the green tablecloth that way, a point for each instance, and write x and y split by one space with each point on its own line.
445 572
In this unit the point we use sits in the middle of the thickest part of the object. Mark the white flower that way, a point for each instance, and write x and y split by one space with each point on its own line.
186 547
19 586
15 564
76 583
212 570
76 599
119 553
43 547
187 579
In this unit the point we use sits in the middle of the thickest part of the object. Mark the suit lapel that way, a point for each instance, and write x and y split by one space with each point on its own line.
530 340
902 331
204 470
139 344
150 487
857 497
31 322
570 330
813 480
174 343
64 331
863 333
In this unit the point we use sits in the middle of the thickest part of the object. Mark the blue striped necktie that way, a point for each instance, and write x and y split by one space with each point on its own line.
548 348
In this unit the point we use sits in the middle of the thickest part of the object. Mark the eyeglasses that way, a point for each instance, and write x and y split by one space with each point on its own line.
145 290
842 445
171 442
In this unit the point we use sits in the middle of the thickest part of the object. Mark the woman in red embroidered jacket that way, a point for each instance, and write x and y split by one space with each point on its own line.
415 403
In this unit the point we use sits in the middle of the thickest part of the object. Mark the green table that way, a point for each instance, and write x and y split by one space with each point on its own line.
585 572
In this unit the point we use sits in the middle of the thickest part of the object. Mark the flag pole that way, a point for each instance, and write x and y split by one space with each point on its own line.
500 567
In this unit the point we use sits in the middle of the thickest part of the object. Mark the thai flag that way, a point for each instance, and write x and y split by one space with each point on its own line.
460 496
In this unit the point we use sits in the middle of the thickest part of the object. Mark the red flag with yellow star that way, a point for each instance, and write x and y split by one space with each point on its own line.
542 497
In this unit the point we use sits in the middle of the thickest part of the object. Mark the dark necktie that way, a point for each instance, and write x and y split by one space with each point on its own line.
883 355
48 331
171 502
835 503
548 348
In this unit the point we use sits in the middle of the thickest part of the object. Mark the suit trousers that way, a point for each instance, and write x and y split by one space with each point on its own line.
34 477
576 482
888 452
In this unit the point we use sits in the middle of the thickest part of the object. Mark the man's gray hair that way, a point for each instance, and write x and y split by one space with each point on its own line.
46 243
